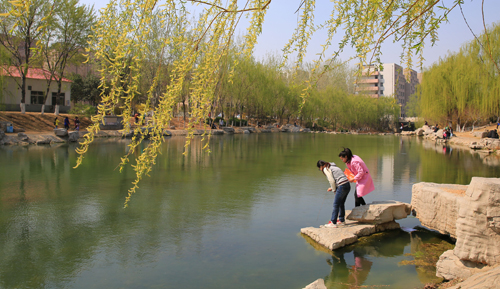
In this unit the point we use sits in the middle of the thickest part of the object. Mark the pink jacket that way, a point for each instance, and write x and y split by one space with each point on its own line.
364 184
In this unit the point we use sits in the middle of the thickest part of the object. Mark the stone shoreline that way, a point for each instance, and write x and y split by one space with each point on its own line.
470 214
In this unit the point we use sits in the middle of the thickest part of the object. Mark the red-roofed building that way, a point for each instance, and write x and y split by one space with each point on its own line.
36 87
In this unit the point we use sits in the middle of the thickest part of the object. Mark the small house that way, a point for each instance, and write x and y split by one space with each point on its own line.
36 88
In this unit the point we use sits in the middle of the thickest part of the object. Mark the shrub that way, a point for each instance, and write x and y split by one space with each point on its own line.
237 122
83 110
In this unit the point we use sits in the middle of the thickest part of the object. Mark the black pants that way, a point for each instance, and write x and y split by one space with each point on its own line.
358 201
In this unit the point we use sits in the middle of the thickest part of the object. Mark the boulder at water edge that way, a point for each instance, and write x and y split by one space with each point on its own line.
380 212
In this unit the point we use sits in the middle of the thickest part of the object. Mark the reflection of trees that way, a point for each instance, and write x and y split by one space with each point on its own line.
442 168
61 219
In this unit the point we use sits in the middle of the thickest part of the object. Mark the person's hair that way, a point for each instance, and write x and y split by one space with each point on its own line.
321 163
346 153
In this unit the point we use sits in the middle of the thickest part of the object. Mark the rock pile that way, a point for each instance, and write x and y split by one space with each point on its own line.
471 214
361 221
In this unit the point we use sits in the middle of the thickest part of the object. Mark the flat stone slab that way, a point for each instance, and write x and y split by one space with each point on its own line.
334 238
380 212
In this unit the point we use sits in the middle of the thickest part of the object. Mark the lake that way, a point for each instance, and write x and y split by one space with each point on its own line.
228 219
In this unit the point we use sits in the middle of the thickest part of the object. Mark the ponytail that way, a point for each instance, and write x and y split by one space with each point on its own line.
346 153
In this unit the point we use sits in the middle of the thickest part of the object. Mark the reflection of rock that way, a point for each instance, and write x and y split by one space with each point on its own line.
380 212
477 222
318 284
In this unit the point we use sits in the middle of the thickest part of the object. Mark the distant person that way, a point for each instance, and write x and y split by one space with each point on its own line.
66 123
436 128
56 122
77 123
362 177
221 123
426 123
136 117
341 186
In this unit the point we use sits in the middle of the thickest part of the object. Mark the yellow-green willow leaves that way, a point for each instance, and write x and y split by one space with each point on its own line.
464 87
195 62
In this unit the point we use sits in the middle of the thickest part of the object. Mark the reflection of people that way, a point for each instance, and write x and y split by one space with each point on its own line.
341 186
359 272
364 182
352 275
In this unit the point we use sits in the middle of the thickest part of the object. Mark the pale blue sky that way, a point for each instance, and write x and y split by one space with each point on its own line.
281 21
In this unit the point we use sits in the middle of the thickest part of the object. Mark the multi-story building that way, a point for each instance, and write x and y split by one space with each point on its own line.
392 81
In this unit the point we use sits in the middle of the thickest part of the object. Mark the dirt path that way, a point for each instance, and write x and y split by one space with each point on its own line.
35 122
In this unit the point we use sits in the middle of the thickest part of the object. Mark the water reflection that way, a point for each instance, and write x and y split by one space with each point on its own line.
229 216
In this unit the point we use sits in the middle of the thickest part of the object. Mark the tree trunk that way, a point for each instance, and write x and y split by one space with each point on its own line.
43 109
56 110
22 105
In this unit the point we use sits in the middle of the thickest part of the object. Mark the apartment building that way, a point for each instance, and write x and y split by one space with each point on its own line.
392 81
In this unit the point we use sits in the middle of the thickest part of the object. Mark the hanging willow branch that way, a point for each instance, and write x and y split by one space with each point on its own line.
194 53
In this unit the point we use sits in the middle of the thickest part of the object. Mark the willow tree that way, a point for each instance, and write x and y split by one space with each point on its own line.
464 87
119 37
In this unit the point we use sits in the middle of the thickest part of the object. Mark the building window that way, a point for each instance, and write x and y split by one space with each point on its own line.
37 97
59 100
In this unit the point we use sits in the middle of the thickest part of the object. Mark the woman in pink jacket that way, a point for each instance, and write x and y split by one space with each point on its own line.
364 182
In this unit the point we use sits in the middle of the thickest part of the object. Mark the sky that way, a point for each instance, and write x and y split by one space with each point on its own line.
281 21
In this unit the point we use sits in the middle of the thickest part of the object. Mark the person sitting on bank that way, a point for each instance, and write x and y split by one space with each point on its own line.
436 128
341 186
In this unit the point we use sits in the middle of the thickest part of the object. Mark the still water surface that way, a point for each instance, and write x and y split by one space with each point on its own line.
230 219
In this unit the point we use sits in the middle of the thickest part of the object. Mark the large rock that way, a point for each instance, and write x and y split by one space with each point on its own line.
22 136
334 238
229 130
380 212
478 224
2 134
60 132
73 136
451 267
484 280
436 205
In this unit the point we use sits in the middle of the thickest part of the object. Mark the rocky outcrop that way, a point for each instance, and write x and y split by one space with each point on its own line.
380 212
485 280
228 130
334 238
471 214
73 136
436 205
361 221
478 224
451 267
61 132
